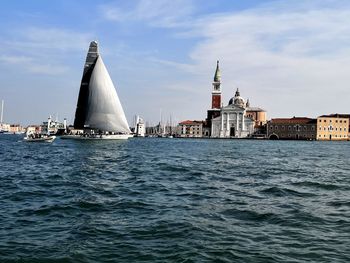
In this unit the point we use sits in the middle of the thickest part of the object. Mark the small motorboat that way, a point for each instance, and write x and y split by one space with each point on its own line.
39 138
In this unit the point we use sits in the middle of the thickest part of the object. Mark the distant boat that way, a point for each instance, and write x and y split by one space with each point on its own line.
99 113
39 138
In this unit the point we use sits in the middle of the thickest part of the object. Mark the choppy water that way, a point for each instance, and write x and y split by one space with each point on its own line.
174 200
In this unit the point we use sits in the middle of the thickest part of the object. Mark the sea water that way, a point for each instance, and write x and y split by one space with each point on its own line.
174 200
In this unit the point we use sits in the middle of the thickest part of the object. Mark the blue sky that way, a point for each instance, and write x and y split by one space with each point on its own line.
291 58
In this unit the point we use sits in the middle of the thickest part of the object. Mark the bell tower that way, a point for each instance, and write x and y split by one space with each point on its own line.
215 101
216 92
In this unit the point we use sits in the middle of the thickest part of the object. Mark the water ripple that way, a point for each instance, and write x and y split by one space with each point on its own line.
160 200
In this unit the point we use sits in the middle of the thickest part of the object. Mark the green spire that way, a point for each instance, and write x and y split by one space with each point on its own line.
217 76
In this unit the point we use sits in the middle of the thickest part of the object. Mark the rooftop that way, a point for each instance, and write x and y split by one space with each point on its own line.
336 115
294 120
189 122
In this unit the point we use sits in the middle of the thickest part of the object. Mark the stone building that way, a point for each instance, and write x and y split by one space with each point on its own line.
236 120
16 128
257 114
333 127
190 129
140 128
296 128
232 122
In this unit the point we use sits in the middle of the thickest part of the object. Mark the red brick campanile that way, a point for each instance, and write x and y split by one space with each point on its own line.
216 93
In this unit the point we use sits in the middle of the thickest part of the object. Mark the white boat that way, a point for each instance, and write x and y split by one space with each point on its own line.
97 136
4 128
99 112
39 138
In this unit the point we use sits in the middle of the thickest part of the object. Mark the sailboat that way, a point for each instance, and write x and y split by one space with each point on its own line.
99 113
3 126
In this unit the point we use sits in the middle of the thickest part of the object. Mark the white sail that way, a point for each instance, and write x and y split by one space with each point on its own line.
104 110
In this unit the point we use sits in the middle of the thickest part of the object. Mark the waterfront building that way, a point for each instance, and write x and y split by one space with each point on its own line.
236 120
190 129
333 127
258 115
296 128
16 129
140 127
232 121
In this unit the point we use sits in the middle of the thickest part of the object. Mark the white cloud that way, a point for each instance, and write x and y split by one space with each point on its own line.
34 39
32 65
15 59
289 62
42 50
290 57
160 13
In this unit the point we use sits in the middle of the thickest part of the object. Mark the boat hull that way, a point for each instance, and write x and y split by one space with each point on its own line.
97 137
43 139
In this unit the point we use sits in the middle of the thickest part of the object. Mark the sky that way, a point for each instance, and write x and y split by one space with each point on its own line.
289 57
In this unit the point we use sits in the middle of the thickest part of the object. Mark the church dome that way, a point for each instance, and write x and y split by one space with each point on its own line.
237 100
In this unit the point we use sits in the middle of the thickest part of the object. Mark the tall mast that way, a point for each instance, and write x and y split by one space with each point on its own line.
171 125
160 122
2 110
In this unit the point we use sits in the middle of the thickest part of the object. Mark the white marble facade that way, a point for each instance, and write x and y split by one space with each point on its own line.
232 122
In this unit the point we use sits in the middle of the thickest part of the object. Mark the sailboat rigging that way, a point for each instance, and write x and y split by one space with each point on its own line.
99 112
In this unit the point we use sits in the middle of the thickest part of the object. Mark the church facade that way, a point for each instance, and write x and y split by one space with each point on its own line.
232 122
229 121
